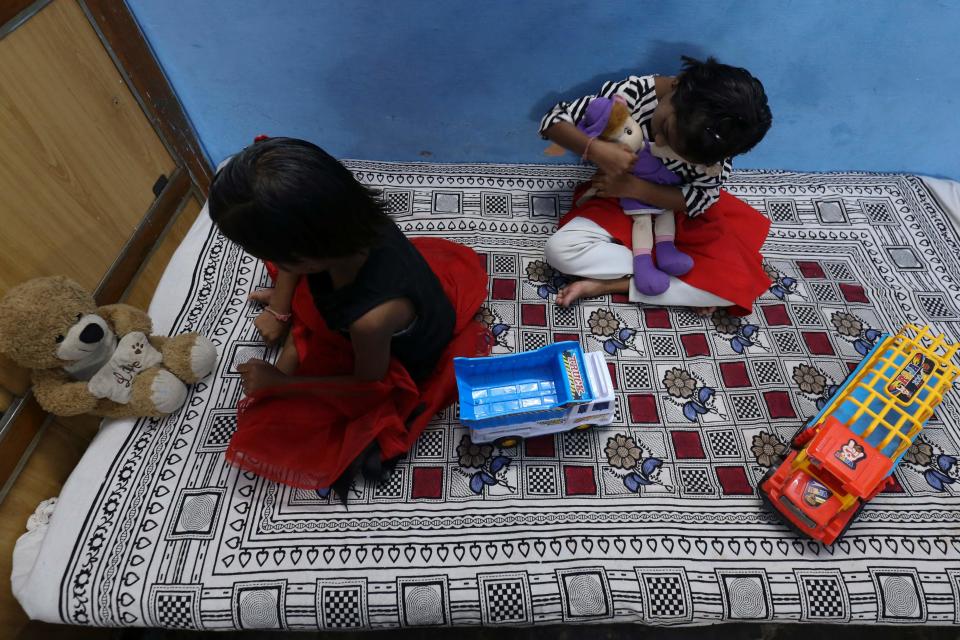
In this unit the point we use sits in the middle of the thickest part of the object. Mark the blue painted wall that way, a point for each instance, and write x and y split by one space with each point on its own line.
853 84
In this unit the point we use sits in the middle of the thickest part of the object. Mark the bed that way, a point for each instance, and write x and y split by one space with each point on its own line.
653 519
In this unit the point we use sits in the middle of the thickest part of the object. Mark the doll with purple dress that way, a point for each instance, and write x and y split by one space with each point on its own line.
655 256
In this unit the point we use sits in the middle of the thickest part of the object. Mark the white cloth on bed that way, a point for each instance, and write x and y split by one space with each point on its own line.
653 519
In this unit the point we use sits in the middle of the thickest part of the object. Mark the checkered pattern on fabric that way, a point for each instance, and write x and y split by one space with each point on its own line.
175 610
341 608
666 596
505 601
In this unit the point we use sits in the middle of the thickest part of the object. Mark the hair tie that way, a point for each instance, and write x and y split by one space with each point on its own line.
261 138
586 149
281 317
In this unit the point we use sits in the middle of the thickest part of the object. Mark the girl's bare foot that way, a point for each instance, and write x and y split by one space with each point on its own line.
590 289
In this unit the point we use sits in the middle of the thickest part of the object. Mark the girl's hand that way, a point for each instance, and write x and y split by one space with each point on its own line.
261 296
257 374
271 329
612 158
608 186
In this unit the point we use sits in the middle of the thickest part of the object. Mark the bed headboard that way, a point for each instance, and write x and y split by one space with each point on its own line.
97 159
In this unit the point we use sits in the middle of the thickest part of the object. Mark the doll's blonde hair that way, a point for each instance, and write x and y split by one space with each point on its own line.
618 115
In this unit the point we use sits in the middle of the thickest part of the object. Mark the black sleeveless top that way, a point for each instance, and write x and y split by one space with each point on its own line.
394 269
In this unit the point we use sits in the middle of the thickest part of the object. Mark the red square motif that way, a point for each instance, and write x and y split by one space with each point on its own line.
893 485
427 482
687 444
613 375
818 343
564 337
778 404
643 409
619 298
695 344
541 446
533 315
811 269
657 318
853 293
579 481
735 374
733 481
776 315
504 289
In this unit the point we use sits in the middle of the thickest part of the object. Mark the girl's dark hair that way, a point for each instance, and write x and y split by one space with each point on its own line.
721 110
284 199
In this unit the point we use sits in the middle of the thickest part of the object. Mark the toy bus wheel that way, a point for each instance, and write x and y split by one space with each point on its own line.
582 427
507 442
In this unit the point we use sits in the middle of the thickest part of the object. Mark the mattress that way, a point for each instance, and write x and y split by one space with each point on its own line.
653 519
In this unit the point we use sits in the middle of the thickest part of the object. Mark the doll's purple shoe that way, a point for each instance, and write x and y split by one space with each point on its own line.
648 279
671 260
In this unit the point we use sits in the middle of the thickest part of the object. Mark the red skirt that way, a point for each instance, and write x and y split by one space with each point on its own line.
306 435
724 242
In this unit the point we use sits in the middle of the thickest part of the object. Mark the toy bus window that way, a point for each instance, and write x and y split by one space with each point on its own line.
601 406
583 408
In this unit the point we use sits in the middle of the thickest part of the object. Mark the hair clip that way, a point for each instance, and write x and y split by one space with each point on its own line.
261 138
713 133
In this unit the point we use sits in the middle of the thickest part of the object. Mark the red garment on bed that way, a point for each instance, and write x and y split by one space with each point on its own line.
724 242
306 435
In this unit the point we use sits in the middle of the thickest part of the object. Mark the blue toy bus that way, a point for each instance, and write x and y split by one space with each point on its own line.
550 390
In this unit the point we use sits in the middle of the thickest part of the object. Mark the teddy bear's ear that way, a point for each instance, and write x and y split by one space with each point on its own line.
62 286
7 322
10 320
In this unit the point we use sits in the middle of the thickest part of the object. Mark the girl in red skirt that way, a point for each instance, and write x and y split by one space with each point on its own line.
707 114
374 327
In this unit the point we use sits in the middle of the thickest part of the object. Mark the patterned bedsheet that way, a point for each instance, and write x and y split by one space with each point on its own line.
653 519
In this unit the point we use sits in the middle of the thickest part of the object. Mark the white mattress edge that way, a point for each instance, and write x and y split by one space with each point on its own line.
947 193
40 555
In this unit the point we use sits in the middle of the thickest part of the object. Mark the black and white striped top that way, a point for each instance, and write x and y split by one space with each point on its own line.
699 189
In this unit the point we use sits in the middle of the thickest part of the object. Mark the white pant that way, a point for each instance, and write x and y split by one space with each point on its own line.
584 248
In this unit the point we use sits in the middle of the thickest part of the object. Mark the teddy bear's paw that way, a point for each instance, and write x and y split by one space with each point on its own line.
167 392
189 356
203 357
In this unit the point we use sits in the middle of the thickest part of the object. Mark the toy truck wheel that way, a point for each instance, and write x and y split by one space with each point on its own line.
507 442
853 518
769 474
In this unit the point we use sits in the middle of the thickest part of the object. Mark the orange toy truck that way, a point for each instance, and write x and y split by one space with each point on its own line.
847 453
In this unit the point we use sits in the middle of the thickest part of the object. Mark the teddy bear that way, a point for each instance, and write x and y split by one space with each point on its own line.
653 228
97 360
